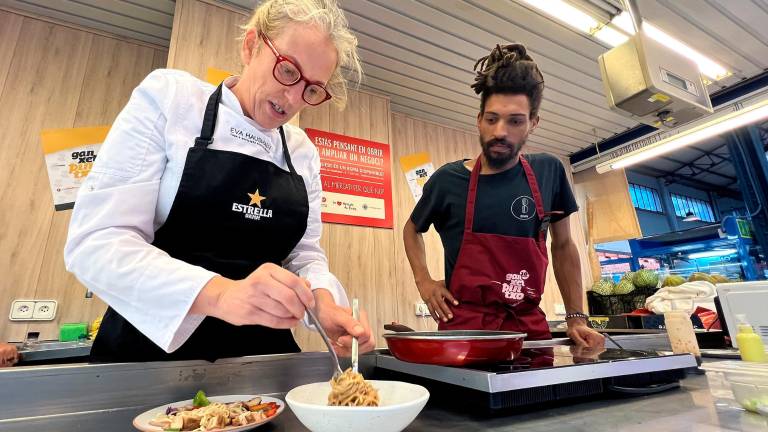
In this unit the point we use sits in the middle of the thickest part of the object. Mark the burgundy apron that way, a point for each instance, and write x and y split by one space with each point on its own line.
499 279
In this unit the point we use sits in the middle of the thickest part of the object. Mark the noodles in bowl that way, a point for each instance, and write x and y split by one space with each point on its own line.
351 389
398 405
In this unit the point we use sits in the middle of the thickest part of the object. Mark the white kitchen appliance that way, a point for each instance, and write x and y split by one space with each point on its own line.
653 84
748 298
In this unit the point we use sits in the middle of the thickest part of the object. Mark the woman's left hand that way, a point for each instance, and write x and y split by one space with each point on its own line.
338 323
9 355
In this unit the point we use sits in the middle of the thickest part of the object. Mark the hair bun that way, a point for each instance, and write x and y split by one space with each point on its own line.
519 49
509 69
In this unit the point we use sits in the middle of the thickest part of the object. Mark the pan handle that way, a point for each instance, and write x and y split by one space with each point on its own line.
397 327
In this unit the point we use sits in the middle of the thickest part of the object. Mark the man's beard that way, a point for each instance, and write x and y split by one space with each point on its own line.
499 160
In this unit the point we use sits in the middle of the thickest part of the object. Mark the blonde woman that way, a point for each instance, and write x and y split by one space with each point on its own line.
200 222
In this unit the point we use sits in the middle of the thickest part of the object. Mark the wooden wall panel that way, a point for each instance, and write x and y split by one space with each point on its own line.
160 59
53 76
126 65
205 35
614 215
10 27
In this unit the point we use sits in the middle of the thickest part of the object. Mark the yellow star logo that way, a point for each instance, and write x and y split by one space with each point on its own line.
256 198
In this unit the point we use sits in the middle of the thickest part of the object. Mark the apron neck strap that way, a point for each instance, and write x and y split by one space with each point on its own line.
532 183
209 119
472 196
545 217
209 125
286 154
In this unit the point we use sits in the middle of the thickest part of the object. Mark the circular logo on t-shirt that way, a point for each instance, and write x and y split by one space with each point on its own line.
523 208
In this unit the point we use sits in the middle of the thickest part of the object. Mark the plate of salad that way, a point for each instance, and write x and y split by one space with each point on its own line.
228 413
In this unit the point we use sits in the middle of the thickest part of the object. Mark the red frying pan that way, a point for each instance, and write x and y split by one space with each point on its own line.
453 347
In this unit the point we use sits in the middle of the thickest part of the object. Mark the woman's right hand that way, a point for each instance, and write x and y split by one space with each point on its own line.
270 296
434 293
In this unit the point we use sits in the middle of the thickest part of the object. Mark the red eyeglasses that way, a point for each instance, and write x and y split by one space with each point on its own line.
288 73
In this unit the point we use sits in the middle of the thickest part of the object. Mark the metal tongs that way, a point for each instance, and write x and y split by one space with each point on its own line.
355 315
612 340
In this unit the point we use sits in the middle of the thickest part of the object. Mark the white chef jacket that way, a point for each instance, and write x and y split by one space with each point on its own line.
129 192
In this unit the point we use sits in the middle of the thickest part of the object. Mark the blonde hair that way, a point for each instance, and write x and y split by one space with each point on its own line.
272 16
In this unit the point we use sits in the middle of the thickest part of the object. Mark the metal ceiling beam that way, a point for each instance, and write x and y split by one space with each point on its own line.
711 152
687 181
696 170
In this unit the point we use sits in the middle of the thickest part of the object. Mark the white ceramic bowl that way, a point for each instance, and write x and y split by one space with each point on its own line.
399 404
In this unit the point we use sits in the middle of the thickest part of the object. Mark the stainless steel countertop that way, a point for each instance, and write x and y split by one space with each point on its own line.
107 397
40 351
693 407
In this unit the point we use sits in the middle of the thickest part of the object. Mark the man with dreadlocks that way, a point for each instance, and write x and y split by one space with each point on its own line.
493 214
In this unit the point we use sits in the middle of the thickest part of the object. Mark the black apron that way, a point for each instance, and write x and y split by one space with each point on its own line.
232 213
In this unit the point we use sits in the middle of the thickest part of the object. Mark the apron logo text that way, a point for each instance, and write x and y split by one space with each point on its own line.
514 285
250 138
251 212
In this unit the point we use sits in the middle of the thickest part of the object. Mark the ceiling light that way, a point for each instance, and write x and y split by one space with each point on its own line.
706 65
712 253
566 13
611 36
580 20
717 126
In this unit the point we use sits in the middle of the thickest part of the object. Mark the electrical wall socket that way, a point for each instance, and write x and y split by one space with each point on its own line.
21 310
33 310
45 310
421 309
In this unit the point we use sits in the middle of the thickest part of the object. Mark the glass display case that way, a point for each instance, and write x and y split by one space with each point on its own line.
724 249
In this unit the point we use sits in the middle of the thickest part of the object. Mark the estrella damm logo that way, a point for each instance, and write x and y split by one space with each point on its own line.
255 209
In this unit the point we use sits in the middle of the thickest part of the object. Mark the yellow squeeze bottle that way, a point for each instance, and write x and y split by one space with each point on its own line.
751 346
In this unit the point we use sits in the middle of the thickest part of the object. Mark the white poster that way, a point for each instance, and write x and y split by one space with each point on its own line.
417 169
69 156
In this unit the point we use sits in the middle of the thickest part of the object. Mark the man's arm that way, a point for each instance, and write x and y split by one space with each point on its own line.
416 252
432 292
567 267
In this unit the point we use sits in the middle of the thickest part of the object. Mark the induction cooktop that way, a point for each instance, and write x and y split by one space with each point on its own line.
544 374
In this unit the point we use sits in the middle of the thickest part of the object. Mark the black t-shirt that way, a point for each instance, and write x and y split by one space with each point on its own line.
504 203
